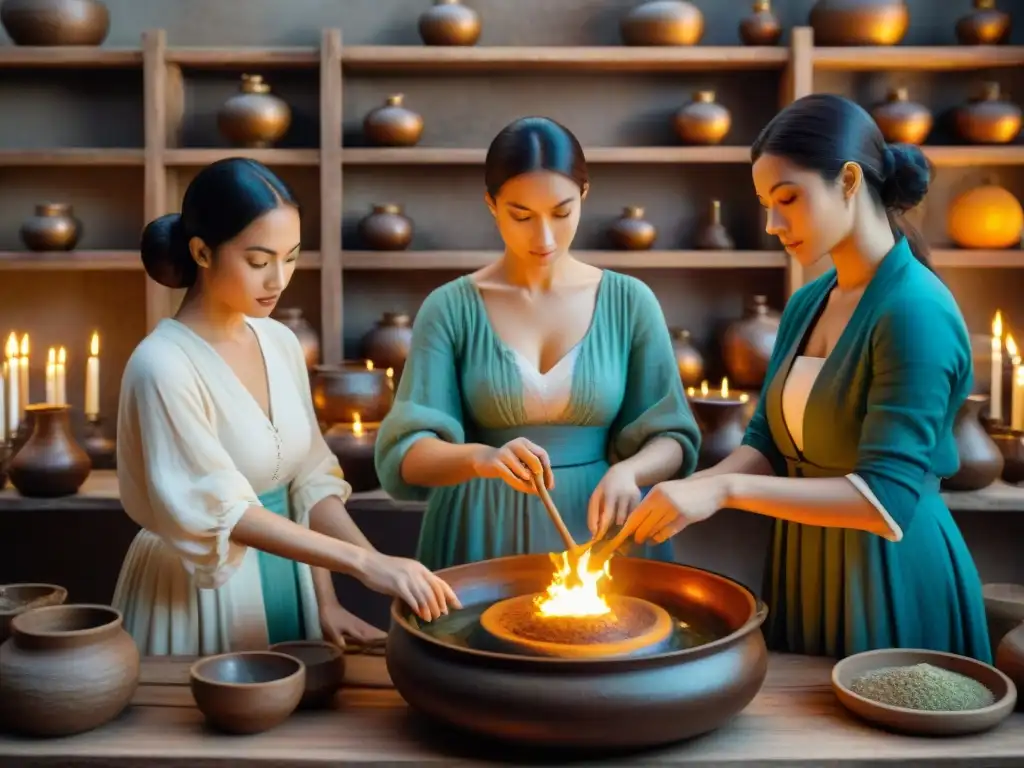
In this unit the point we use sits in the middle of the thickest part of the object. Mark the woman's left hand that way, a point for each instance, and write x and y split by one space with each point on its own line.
614 498
673 505
339 625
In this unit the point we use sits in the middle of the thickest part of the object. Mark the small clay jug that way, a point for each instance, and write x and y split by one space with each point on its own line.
631 232
53 227
308 339
714 236
340 391
981 462
901 120
66 669
663 22
988 118
388 344
386 228
986 25
393 124
688 358
1010 660
722 426
747 345
859 22
703 120
762 26
55 22
254 117
51 464
449 22
1011 445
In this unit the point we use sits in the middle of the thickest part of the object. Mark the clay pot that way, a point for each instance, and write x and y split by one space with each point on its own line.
986 217
1010 659
386 228
1011 446
663 22
986 25
722 424
747 345
688 358
631 232
901 120
761 27
55 22
247 692
51 464
988 118
449 22
703 120
981 463
15 599
53 227
393 125
1004 610
339 391
388 344
859 22
325 669
101 449
308 339
354 449
66 669
254 117
714 236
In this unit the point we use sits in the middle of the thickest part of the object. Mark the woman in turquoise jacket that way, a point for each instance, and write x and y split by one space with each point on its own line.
537 363
854 426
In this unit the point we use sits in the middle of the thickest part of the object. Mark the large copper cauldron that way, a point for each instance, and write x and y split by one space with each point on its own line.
634 701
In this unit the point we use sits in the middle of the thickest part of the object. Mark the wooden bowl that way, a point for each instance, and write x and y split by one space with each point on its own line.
18 598
913 721
249 691
325 669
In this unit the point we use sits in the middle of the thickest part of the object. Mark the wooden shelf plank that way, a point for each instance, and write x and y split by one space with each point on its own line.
70 260
465 260
625 155
383 58
968 157
924 58
233 58
69 57
68 156
951 258
198 156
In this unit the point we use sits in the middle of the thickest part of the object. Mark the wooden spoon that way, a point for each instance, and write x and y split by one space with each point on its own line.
556 518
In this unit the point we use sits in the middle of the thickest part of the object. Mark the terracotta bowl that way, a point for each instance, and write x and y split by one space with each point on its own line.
249 691
919 722
18 598
325 669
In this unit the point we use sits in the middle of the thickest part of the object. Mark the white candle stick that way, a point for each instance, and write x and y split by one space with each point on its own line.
23 384
13 403
51 377
61 377
92 379
1016 384
3 401
996 387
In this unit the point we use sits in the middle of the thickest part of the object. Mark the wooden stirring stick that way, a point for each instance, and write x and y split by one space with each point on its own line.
556 518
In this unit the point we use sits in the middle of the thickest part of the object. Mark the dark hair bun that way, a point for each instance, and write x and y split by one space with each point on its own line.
907 177
165 253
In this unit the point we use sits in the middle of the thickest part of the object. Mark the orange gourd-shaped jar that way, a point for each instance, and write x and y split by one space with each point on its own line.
986 217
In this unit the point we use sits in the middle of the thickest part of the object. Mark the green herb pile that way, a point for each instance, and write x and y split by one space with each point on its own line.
923 687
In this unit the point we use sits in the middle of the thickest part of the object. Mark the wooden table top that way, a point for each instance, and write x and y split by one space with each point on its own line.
794 720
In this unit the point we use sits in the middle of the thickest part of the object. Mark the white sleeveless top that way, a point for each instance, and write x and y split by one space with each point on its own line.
546 395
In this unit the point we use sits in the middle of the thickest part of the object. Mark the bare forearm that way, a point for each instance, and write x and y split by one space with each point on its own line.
743 461
831 502
658 460
263 530
329 517
433 463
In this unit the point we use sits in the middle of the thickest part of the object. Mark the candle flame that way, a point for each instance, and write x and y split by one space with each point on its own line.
51 357
12 346
357 424
725 386
390 373
1011 348
369 365
94 344
62 356
744 397
24 345
704 388
691 391
997 325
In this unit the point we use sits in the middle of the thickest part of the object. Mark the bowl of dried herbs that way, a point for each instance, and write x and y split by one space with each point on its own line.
923 692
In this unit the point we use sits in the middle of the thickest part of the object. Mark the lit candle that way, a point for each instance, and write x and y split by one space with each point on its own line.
23 385
13 403
3 401
51 377
723 392
92 379
1017 385
62 381
357 425
996 387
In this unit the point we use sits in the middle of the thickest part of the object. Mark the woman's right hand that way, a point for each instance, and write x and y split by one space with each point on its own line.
427 594
516 462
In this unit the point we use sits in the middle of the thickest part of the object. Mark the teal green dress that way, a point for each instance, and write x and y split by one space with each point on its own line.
462 384
279 577
882 408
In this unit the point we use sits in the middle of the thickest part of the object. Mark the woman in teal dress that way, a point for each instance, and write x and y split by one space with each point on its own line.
537 363
854 426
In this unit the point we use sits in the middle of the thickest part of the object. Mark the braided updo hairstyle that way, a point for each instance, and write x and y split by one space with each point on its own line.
221 201
823 132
